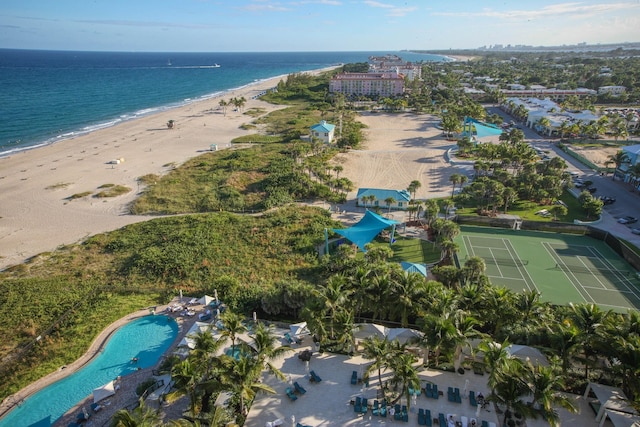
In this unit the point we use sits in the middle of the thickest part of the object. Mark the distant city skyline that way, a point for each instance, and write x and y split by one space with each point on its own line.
312 25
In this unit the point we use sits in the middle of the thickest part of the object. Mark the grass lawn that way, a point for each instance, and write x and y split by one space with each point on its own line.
411 250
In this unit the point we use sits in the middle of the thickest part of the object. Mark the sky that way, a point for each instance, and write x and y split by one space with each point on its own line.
311 25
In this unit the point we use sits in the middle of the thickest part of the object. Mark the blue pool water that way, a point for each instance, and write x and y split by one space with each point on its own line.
146 338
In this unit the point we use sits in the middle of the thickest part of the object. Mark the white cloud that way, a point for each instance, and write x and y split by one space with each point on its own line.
393 11
574 10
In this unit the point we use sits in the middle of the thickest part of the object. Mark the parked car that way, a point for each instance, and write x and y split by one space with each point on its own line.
578 183
627 220
592 190
635 230
607 200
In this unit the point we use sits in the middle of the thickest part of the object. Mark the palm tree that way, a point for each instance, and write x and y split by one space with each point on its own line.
508 385
389 201
413 187
406 291
378 350
186 379
405 375
474 267
232 327
545 385
141 416
264 340
589 319
241 376
454 179
564 340
618 159
224 105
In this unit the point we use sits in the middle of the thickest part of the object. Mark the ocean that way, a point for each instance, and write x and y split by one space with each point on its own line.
48 96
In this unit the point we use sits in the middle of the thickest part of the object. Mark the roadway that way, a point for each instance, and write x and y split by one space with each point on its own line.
627 199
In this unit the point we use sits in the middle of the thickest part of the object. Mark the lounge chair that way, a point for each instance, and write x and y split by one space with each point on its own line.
421 418
464 421
405 414
472 398
314 377
357 407
354 377
375 409
95 407
434 392
485 424
442 420
288 338
301 425
383 409
291 394
299 388
427 417
397 412
365 406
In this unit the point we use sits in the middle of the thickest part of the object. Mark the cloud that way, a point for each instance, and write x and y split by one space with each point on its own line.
327 2
393 10
267 7
574 10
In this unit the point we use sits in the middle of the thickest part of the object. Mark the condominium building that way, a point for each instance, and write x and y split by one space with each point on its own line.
370 84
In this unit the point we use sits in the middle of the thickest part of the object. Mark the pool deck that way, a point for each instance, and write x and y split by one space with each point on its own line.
327 403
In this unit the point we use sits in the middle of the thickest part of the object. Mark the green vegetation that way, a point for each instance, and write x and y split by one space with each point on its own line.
79 195
111 190
58 186
81 289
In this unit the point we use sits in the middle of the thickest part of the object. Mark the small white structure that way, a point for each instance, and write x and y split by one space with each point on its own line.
323 131
103 392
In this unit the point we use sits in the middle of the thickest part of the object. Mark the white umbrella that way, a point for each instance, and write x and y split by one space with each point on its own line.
299 329
403 335
366 330
528 353
103 392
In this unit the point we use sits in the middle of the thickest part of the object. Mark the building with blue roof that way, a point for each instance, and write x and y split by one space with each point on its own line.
323 131
375 197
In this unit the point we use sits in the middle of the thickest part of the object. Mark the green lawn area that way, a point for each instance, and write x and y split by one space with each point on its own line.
411 250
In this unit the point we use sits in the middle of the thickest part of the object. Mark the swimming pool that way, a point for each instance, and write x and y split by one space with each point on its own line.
146 338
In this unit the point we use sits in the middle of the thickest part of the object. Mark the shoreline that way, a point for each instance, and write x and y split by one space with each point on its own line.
37 211
139 114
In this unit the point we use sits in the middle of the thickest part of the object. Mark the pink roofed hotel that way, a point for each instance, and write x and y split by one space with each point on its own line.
381 84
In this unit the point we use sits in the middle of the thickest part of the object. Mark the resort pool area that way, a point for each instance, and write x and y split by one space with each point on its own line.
146 339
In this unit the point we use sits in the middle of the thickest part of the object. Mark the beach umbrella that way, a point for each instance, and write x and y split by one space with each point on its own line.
299 329
527 353
366 330
103 392
403 335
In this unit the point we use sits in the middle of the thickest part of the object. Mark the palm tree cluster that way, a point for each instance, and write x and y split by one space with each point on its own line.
583 342
512 171
209 371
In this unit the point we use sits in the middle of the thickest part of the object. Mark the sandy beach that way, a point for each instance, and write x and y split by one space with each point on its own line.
37 216
35 213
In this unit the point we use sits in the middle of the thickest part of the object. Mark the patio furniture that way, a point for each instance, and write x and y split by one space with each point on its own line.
299 388
397 414
313 377
354 378
375 409
383 409
365 405
291 394
472 398
358 405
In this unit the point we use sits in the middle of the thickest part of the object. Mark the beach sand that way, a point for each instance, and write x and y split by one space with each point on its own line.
35 213
400 148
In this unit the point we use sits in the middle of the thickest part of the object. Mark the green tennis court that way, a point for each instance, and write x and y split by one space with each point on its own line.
564 268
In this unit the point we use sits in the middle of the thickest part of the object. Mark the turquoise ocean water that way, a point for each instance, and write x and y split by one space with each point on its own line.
52 95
